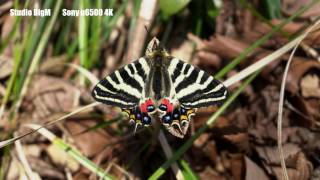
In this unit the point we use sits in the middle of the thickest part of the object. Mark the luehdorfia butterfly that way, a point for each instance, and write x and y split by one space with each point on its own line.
159 85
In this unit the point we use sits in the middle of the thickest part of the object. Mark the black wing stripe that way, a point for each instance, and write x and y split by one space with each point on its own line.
105 88
127 79
177 71
105 85
204 78
131 68
206 101
188 81
111 99
200 94
114 78
186 69
140 70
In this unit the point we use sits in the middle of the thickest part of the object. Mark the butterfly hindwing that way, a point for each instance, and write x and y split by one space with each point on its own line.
124 87
194 88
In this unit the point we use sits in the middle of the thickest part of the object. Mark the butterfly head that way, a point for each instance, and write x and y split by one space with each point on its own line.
155 48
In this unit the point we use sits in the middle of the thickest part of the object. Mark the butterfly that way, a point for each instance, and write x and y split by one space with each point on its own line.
160 87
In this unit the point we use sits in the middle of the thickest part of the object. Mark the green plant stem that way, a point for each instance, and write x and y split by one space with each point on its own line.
262 40
81 159
160 171
83 36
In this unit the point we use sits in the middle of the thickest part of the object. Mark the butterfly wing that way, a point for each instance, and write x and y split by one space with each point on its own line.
124 87
194 88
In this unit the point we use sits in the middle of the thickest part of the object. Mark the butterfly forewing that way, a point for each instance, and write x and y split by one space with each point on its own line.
124 87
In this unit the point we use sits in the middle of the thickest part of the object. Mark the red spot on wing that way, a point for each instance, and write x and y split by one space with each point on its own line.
143 106
169 105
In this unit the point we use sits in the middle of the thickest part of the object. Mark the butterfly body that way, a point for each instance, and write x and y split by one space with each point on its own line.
159 85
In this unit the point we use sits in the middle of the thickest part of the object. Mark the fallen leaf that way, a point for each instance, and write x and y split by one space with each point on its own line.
299 169
209 174
45 170
199 142
91 142
207 59
32 150
224 24
13 170
224 46
237 166
48 95
253 171
210 150
290 7
271 154
310 86
298 68
61 158
184 51
6 66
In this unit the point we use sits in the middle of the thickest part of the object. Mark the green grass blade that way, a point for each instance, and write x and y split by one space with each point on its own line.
188 174
272 8
81 159
39 51
110 23
71 151
83 36
170 7
32 44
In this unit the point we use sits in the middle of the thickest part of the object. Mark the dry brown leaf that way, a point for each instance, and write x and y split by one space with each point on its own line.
45 169
224 23
237 138
290 7
271 154
91 142
207 58
61 158
298 68
48 95
310 86
253 171
237 166
299 168
209 174
199 142
80 176
293 28
184 51
32 150
13 170
7 26
225 47
210 150
6 66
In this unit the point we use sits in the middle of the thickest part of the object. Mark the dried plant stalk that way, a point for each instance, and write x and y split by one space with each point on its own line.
145 18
